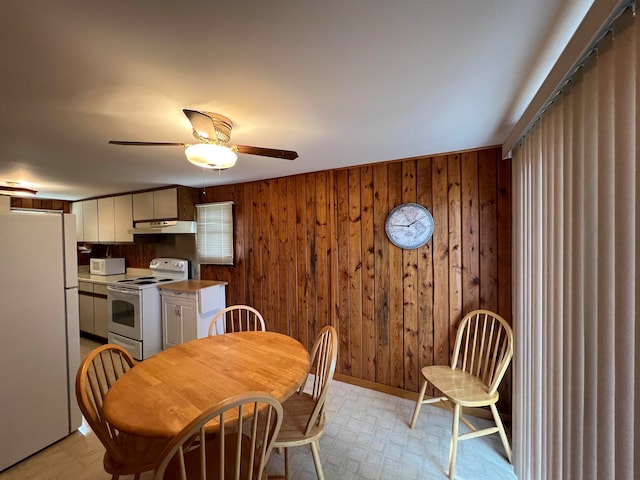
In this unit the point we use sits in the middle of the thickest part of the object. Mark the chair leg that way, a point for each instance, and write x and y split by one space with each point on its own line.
286 464
454 441
315 451
503 434
416 410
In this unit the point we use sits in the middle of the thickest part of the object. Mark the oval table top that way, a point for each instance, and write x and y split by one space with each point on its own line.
162 394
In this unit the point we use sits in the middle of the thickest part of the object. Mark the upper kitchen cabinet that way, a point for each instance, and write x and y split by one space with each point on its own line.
76 209
115 219
90 220
86 213
175 203
104 220
123 217
109 219
143 206
106 224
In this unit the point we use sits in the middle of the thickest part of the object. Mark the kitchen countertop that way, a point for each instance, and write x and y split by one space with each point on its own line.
85 276
191 285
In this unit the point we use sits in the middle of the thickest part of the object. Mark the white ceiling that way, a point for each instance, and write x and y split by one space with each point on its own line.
341 82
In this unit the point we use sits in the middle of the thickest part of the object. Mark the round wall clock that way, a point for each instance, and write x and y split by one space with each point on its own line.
409 225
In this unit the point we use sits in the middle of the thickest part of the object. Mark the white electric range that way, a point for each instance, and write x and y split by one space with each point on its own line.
134 307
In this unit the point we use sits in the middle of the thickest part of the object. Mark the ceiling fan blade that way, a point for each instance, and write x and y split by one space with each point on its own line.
201 123
268 152
147 144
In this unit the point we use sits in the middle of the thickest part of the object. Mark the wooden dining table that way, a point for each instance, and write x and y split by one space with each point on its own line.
162 394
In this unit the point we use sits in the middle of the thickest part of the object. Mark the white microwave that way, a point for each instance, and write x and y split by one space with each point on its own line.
106 266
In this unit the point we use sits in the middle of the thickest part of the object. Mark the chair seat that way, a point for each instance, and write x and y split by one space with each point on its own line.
458 386
140 453
297 410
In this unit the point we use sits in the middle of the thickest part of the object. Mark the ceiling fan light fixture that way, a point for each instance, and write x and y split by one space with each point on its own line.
15 190
209 155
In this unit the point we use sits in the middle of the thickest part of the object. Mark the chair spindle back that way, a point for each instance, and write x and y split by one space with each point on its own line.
248 424
96 375
324 355
483 347
236 318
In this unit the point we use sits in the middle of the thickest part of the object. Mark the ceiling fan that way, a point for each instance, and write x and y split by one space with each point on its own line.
213 132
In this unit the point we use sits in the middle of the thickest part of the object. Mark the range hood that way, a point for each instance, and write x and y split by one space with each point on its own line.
163 227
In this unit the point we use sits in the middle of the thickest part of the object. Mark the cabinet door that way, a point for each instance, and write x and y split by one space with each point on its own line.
76 209
123 218
106 224
100 317
90 220
211 299
86 312
143 206
165 204
100 314
171 323
188 312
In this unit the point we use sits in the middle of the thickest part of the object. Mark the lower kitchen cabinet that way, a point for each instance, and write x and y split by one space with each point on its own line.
85 299
100 315
93 308
187 309
179 320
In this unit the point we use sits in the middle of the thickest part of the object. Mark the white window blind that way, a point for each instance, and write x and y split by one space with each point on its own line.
214 237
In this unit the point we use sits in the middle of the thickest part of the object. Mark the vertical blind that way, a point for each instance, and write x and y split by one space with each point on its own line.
214 235
576 412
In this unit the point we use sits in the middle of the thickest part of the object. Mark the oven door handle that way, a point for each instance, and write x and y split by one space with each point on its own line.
122 290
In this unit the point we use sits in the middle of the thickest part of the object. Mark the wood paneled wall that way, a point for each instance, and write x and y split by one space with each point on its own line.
311 250
137 255
41 203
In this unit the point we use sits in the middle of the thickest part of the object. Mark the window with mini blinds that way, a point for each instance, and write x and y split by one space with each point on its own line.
214 235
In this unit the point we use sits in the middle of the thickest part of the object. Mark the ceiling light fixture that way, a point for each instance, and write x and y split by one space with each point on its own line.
210 155
14 189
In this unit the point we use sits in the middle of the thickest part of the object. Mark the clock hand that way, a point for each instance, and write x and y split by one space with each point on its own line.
416 221
408 224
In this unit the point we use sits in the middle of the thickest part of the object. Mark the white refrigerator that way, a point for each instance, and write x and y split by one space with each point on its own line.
40 340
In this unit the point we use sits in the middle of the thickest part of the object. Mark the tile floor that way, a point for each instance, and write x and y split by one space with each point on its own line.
366 437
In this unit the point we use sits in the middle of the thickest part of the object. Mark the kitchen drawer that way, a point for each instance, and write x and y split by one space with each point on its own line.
134 347
100 289
85 287
178 294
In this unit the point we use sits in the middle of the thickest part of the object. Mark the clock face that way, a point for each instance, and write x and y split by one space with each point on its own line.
409 226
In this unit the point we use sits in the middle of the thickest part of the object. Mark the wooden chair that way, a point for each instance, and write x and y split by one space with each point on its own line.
304 417
481 355
125 454
236 318
239 449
